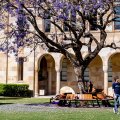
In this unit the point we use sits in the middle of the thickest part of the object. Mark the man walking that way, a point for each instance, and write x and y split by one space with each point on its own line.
116 91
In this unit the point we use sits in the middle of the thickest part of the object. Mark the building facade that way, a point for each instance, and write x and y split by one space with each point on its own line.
47 73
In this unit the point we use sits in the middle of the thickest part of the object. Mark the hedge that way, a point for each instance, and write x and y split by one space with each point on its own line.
15 90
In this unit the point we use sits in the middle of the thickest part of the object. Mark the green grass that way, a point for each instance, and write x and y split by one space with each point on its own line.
63 113
81 114
23 100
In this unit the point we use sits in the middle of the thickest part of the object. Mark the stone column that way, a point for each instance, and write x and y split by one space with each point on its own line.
36 83
49 80
105 69
57 81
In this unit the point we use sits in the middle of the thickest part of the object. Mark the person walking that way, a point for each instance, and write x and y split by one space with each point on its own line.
116 91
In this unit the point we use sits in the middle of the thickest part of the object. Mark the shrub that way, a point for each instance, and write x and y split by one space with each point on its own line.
2 86
15 90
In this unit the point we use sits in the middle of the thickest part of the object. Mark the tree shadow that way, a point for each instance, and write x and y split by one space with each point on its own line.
10 98
6 103
46 104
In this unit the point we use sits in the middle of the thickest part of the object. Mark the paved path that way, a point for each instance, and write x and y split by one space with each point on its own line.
27 107
39 107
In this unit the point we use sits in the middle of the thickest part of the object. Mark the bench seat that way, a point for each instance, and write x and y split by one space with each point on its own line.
87 98
78 100
104 99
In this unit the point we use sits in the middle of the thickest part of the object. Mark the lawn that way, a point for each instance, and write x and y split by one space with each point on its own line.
22 100
57 113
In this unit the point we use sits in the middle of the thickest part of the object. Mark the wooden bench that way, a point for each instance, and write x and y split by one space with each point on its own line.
87 98
57 98
69 99
104 99
64 99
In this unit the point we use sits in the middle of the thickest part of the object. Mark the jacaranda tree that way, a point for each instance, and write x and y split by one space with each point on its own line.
72 14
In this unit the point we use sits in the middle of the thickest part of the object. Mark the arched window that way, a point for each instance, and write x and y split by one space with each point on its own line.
64 70
43 74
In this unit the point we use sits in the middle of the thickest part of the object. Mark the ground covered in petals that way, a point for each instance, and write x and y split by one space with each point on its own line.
23 110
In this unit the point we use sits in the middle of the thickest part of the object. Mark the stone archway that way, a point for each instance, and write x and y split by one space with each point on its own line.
113 70
67 76
46 75
114 64
96 74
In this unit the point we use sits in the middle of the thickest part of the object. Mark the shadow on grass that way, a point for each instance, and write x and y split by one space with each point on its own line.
37 104
45 104
10 98
5 103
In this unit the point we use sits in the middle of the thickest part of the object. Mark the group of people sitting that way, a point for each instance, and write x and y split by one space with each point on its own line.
99 95
90 89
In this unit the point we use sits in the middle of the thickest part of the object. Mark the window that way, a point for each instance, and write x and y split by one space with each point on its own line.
47 23
64 70
20 68
86 75
43 74
65 28
117 24
109 72
73 18
92 27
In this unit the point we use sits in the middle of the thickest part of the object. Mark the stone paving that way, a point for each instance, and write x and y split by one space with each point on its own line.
26 107
40 107
19 107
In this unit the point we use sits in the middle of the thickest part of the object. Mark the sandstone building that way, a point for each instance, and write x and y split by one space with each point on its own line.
46 73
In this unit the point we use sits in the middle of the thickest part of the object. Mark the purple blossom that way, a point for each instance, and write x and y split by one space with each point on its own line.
60 10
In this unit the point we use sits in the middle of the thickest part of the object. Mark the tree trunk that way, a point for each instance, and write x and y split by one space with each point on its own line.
79 72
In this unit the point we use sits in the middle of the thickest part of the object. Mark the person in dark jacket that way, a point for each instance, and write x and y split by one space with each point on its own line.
116 91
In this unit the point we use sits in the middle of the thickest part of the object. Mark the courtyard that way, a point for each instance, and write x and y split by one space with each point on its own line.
40 109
